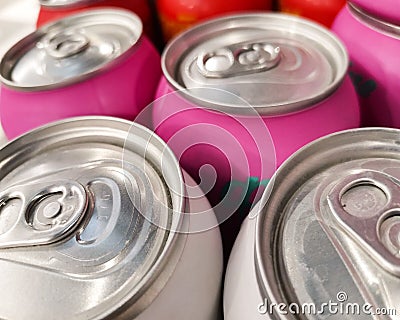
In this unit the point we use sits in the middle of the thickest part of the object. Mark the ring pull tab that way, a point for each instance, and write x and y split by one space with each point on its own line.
239 59
46 215
66 44
367 206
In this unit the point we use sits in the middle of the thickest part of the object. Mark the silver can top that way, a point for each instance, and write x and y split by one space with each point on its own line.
330 225
276 63
388 28
66 3
90 210
71 49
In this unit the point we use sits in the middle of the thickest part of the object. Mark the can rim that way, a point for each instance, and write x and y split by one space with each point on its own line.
158 275
266 257
268 109
373 21
13 54
48 4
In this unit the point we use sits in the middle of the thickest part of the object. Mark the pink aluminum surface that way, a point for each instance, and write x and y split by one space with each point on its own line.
385 9
375 69
122 90
245 149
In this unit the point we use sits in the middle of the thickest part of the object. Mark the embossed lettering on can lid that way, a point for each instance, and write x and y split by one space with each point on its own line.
86 214
277 63
71 49
329 229
63 4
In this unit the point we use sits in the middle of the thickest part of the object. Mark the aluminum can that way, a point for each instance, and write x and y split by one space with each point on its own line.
99 222
242 93
384 9
92 63
51 10
324 240
176 16
375 67
322 11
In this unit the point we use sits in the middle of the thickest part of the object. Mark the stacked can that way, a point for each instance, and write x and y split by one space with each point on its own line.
97 221
51 10
322 11
324 241
241 94
371 33
93 63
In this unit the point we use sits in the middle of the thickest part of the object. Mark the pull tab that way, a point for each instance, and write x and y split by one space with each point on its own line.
46 216
238 59
367 207
65 44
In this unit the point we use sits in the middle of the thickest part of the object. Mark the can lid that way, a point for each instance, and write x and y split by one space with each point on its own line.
65 3
384 9
374 21
89 216
70 49
277 63
330 226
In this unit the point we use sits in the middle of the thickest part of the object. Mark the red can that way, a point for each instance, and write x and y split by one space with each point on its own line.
51 10
322 11
176 15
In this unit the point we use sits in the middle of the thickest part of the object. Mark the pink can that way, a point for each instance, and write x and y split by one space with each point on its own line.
241 93
386 9
373 46
93 63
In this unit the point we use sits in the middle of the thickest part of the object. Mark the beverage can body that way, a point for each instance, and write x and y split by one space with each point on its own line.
373 65
102 222
98 65
322 241
234 106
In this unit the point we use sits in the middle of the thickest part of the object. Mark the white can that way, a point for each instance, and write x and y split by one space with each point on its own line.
97 221
324 240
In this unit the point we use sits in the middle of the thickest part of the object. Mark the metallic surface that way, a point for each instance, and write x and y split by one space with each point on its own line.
309 248
376 23
276 63
122 253
70 50
65 3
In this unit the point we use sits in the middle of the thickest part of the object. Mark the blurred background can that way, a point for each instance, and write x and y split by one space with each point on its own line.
99 222
384 9
93 63
241 94
324 240
322 11
51 10
373 45
176 16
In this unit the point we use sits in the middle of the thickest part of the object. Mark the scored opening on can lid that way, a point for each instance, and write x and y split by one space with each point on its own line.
117 191
329 228
277 63
71 49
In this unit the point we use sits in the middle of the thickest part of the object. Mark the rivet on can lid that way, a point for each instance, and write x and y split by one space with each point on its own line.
329 222
277 63
71 49
100 206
